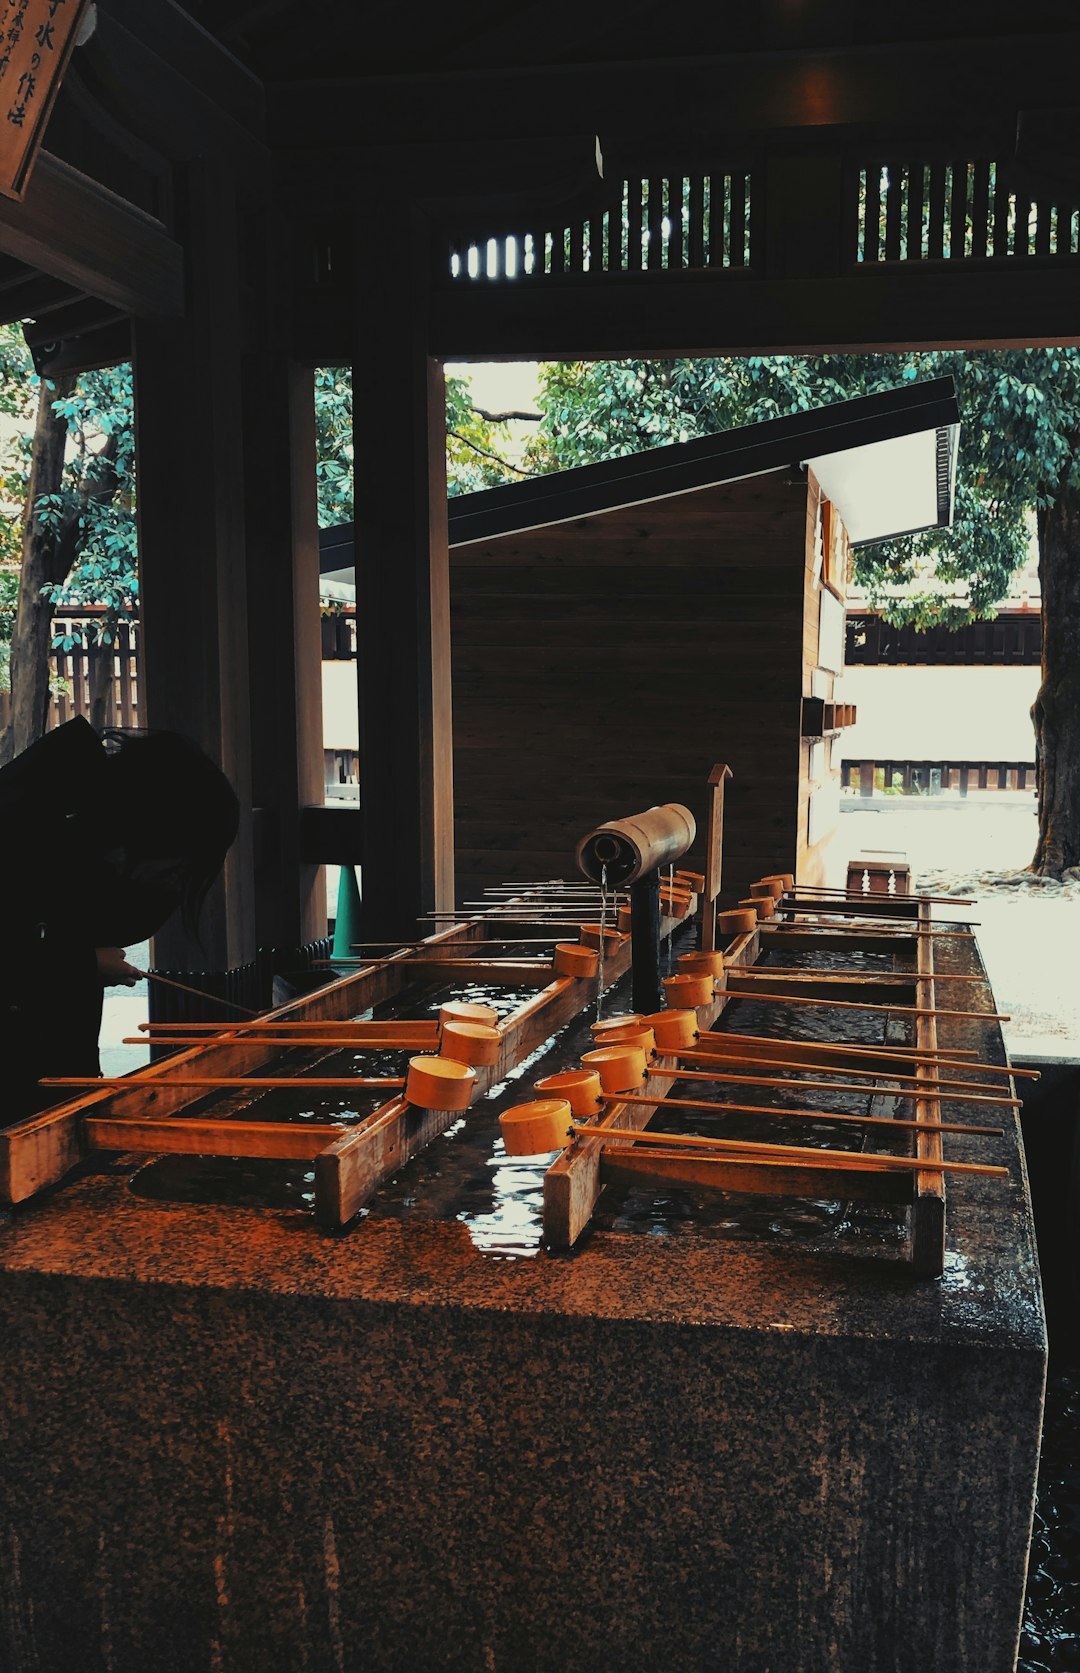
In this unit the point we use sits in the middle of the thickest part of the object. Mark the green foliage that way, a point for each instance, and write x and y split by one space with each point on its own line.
18 398
9 603
95 507
96 504
334 445
475 446
1018 446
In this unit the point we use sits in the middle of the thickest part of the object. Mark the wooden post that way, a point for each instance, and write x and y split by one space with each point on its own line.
928 1202
645 942
191 541
714 854
281 526
402 594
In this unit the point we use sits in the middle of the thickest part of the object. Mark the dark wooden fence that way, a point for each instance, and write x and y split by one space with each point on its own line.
1006 640
930 778
339 637
72 676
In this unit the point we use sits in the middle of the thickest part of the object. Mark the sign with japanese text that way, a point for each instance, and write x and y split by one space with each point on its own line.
36 38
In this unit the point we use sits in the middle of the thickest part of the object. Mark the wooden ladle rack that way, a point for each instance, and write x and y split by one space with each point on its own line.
203 1100
924 1073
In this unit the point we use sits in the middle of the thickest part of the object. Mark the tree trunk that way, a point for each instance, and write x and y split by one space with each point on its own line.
1056 710
44 552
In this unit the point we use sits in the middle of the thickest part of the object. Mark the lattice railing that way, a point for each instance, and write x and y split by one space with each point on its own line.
664 223
954 210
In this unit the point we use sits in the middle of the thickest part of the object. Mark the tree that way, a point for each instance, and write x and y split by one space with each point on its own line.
73 473
476 444
334 445
1018 455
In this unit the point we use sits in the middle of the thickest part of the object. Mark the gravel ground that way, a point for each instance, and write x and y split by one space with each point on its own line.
1028 927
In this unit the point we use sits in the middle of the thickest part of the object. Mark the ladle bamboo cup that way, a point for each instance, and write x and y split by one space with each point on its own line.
773 886
571 960
625 920
621 1068
739 921
628 1034
580 1087
700 964
676 896
530 1129
471 1042
674 1030
590 937
547 1124
762 906
691 880
467 1010
628 1019
682 992
439 1083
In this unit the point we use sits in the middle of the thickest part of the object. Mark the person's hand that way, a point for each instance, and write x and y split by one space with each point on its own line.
114 969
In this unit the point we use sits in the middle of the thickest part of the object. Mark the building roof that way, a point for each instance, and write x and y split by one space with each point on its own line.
887 461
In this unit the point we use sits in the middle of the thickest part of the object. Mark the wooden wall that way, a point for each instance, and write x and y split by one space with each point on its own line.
605 664
819 768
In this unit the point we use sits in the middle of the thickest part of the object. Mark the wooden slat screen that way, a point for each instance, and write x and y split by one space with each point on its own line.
953 209
660 223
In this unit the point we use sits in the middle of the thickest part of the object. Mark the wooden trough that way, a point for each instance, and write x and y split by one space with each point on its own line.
154 1110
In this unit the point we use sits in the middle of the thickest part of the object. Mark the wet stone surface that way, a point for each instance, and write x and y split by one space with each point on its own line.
1050 1641
752 1445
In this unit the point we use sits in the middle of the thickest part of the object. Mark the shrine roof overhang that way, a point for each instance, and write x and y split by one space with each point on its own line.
886 461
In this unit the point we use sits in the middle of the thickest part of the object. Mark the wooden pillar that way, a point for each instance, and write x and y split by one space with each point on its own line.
402 597
804 216
285 637
188 414
285 645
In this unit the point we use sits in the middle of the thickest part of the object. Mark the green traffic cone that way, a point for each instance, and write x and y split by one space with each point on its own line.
347 919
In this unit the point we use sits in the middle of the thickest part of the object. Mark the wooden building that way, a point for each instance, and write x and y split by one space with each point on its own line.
617 628
234 193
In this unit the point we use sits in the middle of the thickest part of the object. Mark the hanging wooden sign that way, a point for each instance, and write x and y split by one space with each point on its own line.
36 38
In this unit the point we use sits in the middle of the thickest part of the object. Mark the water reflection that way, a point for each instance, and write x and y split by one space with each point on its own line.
510 1229
465 1174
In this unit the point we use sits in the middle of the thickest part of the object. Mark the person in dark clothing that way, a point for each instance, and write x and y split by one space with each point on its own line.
101 840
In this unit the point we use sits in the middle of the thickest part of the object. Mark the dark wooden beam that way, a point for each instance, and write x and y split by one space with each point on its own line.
103 345
945 308
78 232
183 51
949 83
194 104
